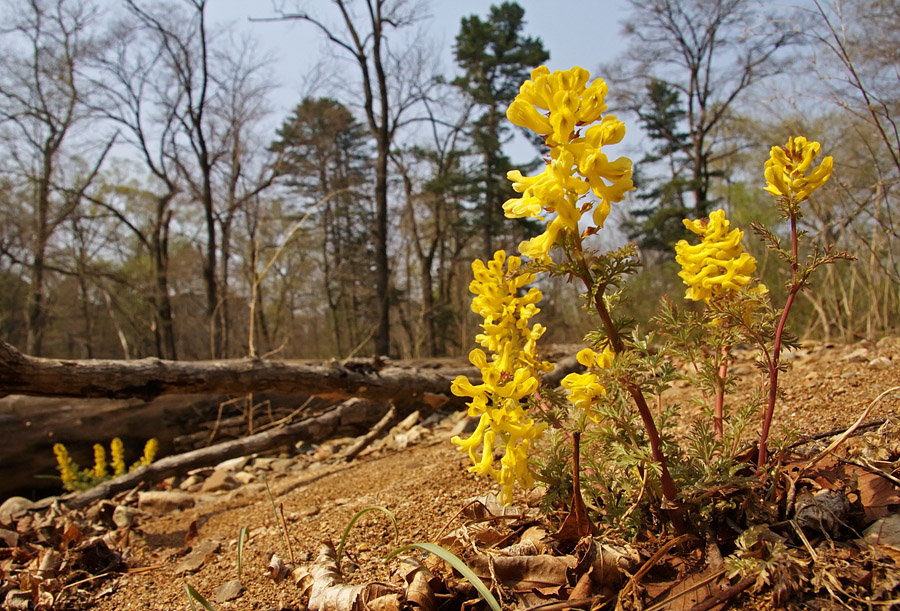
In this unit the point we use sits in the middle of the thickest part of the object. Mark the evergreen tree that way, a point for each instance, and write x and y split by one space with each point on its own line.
495 58
656 225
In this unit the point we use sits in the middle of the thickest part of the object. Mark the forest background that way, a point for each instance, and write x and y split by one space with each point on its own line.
155 201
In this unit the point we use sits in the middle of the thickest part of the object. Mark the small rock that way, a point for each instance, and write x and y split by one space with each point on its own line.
164 501
860 355
282 464
219 480
881 362
233 464
308 511
197 557
123 516
14 507
322 453
229 590
191 482
263 463
243 477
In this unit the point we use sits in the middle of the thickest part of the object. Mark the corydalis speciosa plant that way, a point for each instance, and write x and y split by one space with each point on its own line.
573 196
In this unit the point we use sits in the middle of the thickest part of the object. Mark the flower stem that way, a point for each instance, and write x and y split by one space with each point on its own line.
775 357
670 489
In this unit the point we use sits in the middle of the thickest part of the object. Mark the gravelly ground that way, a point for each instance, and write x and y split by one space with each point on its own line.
423 485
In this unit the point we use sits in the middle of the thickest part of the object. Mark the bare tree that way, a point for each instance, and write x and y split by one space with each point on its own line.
710 52
42 101
362 33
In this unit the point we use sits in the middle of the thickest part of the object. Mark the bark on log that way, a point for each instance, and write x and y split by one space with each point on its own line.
148 378
316 428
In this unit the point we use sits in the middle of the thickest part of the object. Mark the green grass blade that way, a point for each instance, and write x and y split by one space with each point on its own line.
195 595
359 514
457 564
242 537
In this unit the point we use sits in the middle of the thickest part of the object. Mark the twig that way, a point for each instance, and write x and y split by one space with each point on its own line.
725 595
837 442
360 444
810 438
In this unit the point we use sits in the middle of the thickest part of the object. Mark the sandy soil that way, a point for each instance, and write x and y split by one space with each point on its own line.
423 485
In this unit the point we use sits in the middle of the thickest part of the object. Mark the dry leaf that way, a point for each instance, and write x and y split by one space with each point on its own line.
419 591
278 570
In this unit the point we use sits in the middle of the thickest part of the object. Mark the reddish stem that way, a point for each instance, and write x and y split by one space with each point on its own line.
670 489
776 350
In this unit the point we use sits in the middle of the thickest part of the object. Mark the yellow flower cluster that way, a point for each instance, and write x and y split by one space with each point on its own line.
508 377
585 388
68 470
787 167
576 163
718 262
74 478
118 456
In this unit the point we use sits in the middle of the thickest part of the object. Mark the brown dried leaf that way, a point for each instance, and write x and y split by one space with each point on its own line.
277 568
523 572
419 591
330 593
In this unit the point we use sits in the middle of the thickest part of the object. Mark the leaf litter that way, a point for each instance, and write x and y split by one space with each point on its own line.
819 536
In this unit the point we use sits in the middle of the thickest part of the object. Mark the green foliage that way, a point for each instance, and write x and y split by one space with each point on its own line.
495 58
353 520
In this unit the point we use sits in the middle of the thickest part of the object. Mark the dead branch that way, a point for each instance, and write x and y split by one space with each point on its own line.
150 377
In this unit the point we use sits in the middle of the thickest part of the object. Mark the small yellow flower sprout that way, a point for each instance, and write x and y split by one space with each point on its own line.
718 263
117 450
150 450
575 163
99 462
787 167
508 377
68 470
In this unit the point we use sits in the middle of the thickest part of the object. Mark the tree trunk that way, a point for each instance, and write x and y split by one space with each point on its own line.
151 377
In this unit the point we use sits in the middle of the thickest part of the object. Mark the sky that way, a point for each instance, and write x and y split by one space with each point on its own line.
575 32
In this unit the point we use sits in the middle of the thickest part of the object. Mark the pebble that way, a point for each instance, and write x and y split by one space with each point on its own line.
229 590
164 501
233 464
860 355
14 507
881 362
219 480
197 557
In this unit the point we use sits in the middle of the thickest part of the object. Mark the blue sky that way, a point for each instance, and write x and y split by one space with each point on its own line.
584 33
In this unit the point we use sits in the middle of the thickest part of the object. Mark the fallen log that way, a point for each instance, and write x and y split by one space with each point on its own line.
316 428
148 378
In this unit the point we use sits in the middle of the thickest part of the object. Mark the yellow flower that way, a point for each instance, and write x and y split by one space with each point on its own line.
508 377
576 163
99 462
585 388
118 456
68 470
718 262
787 167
